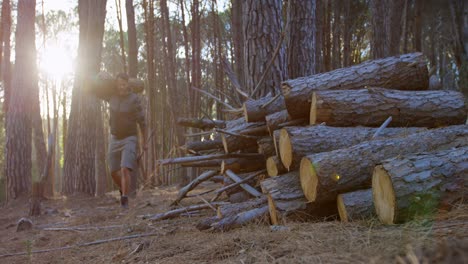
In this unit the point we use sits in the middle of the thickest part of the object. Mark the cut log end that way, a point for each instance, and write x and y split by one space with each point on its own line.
313 110
272 210
285 148
309 180
383 195
225 144
271 167
286 90
246 112
341 208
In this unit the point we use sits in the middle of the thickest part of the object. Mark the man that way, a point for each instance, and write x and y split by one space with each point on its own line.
126 112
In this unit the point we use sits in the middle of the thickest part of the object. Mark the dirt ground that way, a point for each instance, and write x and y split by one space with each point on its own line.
442 240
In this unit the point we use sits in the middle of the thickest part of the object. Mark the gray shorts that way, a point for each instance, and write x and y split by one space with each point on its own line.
122 153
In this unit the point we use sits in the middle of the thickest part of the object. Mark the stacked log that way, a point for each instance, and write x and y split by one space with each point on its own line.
325 175
403 72
406 186
297 142
328 167
371 107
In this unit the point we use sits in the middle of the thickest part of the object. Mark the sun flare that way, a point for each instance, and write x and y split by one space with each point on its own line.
56 61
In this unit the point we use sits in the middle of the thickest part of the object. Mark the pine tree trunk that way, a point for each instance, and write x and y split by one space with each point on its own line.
371 107
337 27
297 142
348 21
393 26
417 28
79 167
326 10
326 174
262 28
5 63
378 11
20 111
405 72
132 40
238 39
356 205
419 184
301 38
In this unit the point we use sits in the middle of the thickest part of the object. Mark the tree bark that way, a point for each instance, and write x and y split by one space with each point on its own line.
132 40
5 63
20 111
404 72
347 34
289 201
266 147
197 146
273 121
356 205
262 30
393 26
257 110
297 142
371 107
419 184
238 39
326 174
301 38
242 165
203 123
79 167
378 13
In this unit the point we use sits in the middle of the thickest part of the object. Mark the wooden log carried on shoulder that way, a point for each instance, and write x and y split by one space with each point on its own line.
325 175
402 72
297 142
419 184
371 107
355 205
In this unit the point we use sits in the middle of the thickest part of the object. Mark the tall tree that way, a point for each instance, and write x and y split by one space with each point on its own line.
18 133
238 39
196 55
262 33
347 33
301 32
79 167
132 39
393 26
5 44
378 10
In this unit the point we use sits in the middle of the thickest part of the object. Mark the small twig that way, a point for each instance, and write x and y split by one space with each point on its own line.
206 202
77 228
271 101
93 243
235 184
199 134
213 97
235 134
200 194
382 127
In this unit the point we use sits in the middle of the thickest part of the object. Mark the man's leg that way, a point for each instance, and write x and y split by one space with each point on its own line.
125 172
117 180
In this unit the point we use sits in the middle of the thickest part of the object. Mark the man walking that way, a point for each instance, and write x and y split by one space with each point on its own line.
126 112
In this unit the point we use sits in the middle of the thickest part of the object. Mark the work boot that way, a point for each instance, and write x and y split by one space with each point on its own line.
124 201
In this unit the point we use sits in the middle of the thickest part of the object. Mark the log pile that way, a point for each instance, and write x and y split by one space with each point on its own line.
358 142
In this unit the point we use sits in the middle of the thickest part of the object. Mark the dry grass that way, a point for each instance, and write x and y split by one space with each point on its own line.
180 242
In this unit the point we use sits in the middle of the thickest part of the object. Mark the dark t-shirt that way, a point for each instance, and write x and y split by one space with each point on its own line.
125 111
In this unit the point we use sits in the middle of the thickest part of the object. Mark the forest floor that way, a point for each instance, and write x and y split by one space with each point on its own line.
442 240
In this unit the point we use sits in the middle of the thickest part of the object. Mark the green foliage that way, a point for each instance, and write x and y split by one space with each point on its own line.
423 205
